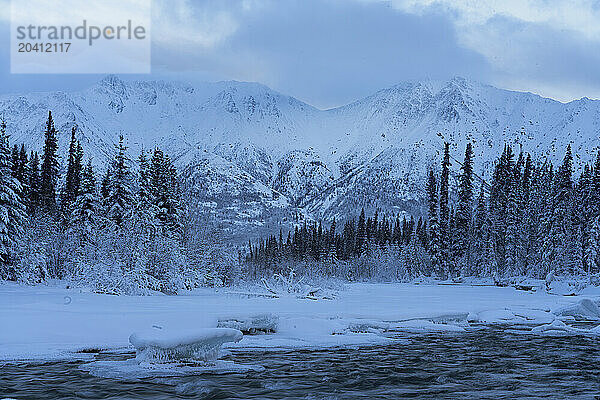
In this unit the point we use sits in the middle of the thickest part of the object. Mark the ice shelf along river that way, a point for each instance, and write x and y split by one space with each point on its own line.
362 341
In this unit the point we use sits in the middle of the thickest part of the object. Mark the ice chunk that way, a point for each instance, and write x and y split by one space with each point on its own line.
556 328
131 370
367 326
428 326
514 317
472 317
201 344
262 323
583 309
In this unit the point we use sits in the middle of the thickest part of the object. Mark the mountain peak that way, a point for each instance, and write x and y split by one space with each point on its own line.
111 81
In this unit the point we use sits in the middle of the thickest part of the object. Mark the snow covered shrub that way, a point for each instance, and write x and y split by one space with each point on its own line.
107 263
133 261
166 264
31 266
210 261
570 284
32 259
415 261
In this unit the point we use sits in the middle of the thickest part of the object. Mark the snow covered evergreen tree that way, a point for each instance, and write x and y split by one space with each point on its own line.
514 224
498 204
12 208
73 178
361 234
444 215
86 206
144 184
19 164
595 188
592 249
34 184
435 248
465 209
562 233
164 187
119 196
49 170
479 236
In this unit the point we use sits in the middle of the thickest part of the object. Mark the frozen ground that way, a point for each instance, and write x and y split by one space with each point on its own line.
53 322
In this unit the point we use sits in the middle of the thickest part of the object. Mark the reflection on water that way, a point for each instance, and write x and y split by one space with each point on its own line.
485 364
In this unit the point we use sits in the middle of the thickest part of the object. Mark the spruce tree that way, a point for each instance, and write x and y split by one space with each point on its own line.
582 213
73 178
498 203
86 206
164 190
434 245
465 200
120 197
145 209
527 176
34 184
14 165
514 225
144 183
542 212
19 167
22 168
479 234
444 216
49 171
348 238
595 186
592 251
12 208
19 164
361 234
563 232
105 185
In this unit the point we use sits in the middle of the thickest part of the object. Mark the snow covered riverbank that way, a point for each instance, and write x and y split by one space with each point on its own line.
50 322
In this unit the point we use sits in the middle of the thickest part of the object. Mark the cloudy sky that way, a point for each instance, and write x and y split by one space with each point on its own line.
330 52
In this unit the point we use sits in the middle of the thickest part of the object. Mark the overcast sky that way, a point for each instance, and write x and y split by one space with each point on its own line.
331 52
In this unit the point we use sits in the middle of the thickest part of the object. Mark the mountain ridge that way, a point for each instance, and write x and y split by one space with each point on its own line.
274 151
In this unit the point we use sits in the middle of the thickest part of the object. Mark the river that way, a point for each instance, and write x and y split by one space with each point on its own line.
491 363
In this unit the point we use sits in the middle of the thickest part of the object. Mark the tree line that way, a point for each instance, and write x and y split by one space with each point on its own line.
529 220
133 228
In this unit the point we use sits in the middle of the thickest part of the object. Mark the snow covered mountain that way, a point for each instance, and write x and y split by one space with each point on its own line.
252 154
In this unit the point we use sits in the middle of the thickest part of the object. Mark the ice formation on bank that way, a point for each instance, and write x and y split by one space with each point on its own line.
159 345
584 309
130 370
160 353
261 323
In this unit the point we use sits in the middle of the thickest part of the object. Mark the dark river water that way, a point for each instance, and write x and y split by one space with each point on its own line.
484 364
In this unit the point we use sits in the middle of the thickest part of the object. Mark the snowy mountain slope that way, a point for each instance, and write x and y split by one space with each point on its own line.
249 141
175 116
391 137
233 198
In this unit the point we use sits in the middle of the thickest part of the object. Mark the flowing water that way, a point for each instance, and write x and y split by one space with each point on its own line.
483 364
